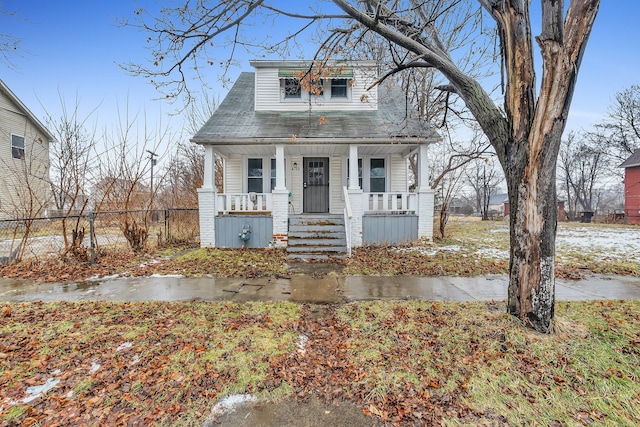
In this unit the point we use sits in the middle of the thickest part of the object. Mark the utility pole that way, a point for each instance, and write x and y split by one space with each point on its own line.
152 157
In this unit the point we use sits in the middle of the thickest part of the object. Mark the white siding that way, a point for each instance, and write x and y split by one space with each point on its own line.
399 174
234 175
18 175
268 97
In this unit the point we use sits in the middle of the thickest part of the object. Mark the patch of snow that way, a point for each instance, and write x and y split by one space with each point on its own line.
608 243
70 394
302 344
99 279
176 276
38 390
430 251
135 360
56 372
94 367
228 405
124 346
493 253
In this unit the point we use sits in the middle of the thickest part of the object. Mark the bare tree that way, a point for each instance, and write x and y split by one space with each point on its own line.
484 177
72 158
9 44
122 176
185 169
621 128
184 175
448 165
582 165
525 130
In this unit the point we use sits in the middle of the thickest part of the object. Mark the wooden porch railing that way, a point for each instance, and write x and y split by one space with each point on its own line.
390 202
244 203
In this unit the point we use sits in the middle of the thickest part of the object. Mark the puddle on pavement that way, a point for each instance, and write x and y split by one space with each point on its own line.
289 412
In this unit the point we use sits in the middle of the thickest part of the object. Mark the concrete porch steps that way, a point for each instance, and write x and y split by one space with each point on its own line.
314 237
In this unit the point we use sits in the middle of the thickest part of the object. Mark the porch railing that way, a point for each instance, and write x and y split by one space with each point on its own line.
390 202
244 203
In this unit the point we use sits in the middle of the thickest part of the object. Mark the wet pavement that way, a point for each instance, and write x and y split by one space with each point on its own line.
320 289
310 285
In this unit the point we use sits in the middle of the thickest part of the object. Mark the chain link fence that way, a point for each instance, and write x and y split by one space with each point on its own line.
96 233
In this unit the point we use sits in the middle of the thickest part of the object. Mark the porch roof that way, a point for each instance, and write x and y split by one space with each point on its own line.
235 122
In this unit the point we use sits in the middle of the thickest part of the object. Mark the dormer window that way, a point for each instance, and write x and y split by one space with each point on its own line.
301 84
292 89
339 88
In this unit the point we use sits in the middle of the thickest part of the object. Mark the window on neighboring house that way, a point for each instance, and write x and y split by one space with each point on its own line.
359 172
273 173
254 176
339 88
17 146
292 88
377 176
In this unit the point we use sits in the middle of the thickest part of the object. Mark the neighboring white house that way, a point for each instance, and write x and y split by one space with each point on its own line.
24 159
289 133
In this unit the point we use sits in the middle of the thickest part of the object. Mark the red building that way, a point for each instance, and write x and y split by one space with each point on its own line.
632 188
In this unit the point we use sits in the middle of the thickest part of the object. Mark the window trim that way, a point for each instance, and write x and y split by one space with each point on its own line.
386 173
365 185
249 178
15 147
346 86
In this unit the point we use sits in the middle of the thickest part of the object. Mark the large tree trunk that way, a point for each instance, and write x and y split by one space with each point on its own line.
533 223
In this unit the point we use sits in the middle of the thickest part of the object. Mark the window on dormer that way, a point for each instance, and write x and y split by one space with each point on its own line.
292 88
339 88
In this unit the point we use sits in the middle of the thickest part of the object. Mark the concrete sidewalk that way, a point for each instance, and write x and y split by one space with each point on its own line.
330 288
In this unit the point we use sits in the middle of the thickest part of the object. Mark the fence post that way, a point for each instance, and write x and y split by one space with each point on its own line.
92 243
166 225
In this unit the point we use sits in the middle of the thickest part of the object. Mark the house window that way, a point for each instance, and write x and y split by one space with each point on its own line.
292 89
377 176
254 176
339 88
359 172
17 146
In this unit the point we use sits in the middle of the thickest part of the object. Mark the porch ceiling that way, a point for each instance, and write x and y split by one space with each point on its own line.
311 150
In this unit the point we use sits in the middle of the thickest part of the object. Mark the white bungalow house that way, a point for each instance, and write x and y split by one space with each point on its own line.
24 159
289 134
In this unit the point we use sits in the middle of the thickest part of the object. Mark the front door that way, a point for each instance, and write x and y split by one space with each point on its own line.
315 196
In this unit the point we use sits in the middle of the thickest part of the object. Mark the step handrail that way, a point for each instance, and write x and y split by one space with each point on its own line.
348 215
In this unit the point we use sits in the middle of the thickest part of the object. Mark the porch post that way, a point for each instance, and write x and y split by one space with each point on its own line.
355 197
425 196
207 201
423 168
280 202
280 172
354 184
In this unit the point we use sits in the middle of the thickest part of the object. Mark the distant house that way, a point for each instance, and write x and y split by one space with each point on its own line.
290 135
632 188
24 159
562 213
499 204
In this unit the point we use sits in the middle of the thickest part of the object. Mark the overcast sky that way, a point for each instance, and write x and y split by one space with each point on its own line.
74 48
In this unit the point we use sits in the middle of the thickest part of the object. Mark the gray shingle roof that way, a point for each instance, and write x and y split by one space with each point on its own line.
236 120
633 160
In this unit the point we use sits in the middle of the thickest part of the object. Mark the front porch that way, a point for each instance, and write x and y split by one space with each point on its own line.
278 181
368 218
